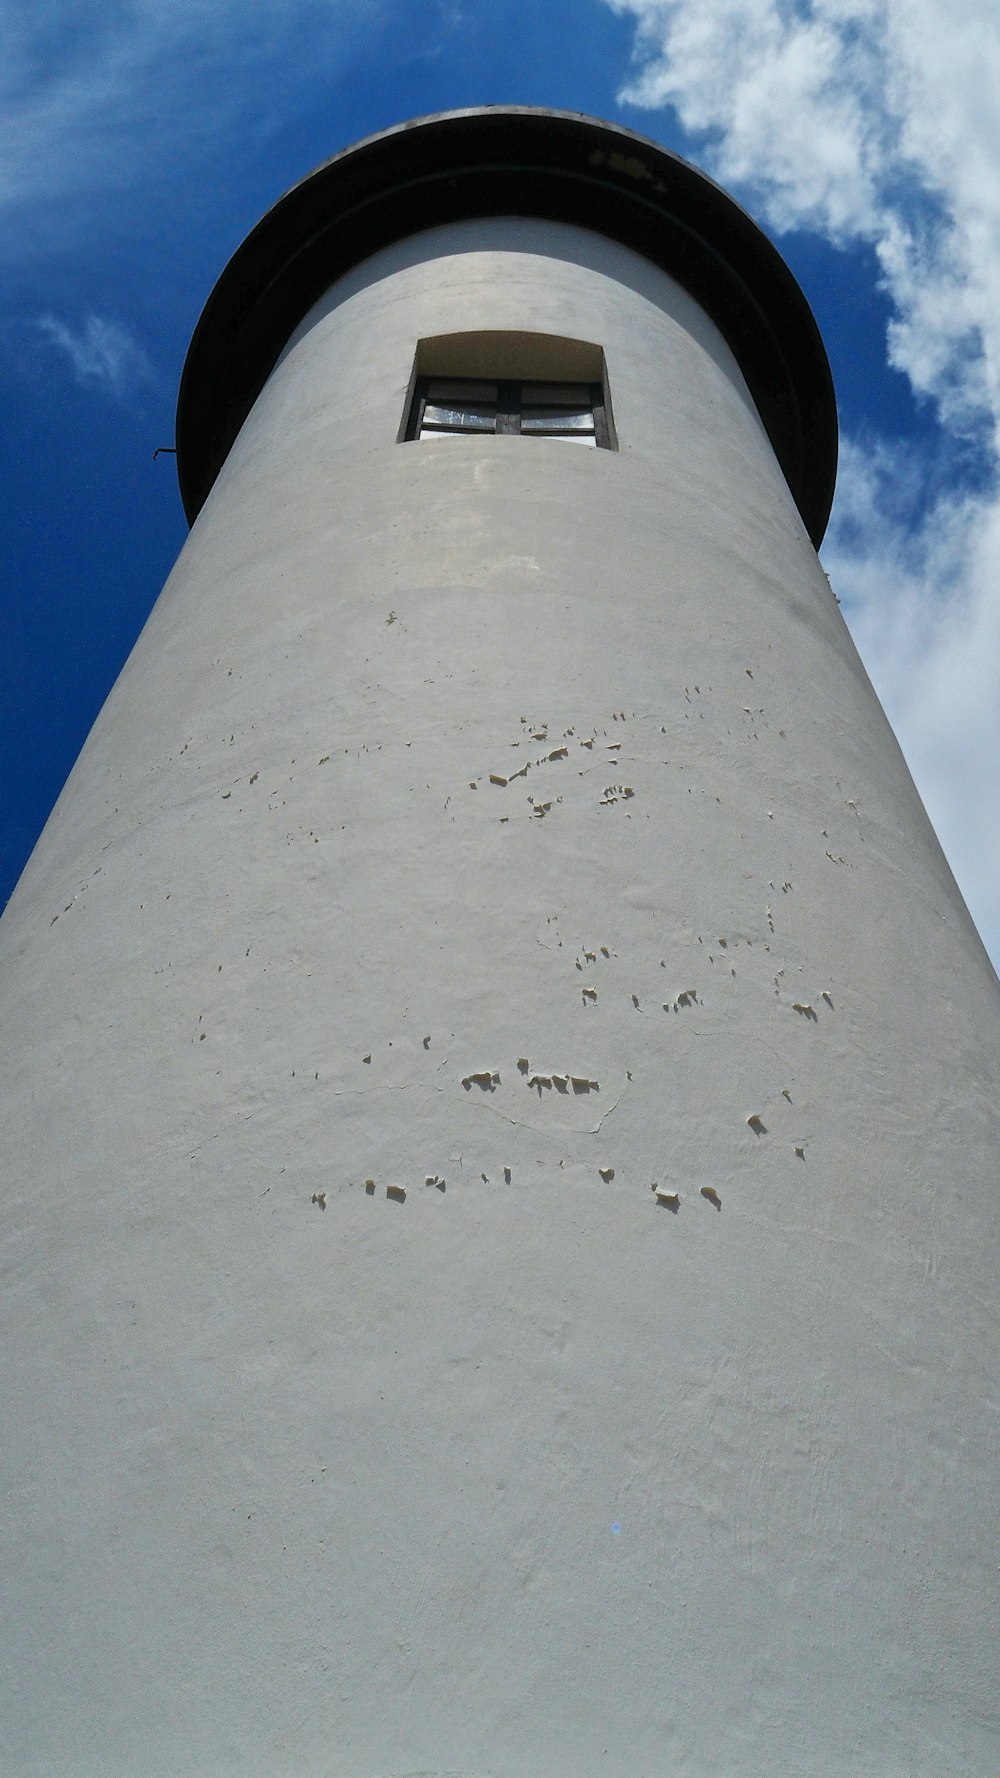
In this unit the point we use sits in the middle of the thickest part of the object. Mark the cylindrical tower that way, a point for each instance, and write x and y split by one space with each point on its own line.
500 1085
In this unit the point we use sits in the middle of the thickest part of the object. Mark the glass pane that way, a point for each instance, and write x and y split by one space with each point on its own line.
557 394
460 390
429 433
557 419
469 418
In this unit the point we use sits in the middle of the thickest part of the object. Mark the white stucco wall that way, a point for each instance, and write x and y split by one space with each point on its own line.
525 1472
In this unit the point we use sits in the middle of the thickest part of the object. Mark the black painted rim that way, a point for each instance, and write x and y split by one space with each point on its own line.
522 162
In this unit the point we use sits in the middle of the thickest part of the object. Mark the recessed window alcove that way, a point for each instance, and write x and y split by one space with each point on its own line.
532 385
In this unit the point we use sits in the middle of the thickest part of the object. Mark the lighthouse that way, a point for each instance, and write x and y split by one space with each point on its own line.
499 1087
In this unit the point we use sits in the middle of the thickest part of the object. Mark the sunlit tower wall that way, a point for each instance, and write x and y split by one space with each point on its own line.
500 1086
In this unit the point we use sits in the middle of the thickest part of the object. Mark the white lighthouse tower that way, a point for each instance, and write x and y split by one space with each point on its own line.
500 1088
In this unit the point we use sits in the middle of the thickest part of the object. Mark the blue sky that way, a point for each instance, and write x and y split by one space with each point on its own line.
140 141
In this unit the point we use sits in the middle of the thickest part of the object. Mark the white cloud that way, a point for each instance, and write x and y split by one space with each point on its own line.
863 119
879 121
104 354
924 610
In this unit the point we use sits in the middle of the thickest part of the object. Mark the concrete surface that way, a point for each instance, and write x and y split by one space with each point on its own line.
500 1105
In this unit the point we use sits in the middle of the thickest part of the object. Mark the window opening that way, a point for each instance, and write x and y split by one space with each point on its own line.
445 406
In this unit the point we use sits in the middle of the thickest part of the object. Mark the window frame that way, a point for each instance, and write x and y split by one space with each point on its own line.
510 401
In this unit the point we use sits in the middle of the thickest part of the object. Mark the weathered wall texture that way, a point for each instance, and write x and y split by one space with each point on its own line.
480 836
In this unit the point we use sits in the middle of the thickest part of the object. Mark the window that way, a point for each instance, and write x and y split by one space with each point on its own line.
445 406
